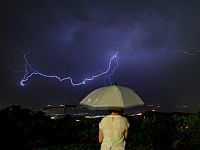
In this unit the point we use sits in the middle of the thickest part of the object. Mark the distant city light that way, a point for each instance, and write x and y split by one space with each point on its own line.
183 106
139 114
53 117
136 114
97 116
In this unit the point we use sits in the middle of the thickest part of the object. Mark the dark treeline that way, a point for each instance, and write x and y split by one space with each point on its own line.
23 129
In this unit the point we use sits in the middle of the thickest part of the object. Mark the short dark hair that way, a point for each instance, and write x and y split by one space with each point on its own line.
116 110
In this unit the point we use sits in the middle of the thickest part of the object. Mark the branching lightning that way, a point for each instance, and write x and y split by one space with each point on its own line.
191 52
188 52
29 72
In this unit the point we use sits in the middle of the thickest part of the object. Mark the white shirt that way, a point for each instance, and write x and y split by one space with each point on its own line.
113 127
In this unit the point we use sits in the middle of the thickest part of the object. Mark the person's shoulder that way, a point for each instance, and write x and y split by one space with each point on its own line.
106 117
123 118
125 121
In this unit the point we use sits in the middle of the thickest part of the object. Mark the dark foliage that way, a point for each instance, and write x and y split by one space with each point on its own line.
22 129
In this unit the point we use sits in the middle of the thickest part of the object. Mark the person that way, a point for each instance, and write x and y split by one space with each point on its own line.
113 131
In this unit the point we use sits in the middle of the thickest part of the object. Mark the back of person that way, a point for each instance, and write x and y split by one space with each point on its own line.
114 128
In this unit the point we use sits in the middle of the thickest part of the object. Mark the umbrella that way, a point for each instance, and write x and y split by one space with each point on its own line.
112 97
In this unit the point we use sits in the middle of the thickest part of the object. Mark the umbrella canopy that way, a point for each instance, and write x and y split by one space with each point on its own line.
112 97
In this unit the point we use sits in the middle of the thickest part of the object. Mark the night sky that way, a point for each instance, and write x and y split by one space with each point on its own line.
157 42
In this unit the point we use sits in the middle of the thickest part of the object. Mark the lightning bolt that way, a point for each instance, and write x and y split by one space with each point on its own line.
29 72
191 52
188 52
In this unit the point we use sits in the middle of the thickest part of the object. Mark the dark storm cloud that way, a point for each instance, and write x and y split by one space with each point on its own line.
77 38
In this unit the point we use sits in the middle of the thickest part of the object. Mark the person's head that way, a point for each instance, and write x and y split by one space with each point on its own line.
116 110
